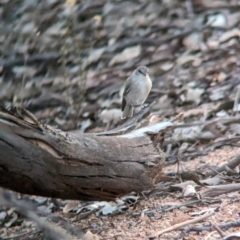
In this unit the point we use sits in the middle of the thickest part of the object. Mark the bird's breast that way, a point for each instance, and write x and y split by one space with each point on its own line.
139 91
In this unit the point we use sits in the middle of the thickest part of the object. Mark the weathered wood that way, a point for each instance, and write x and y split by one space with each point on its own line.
40 160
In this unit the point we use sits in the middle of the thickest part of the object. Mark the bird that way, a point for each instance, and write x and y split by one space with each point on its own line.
136 90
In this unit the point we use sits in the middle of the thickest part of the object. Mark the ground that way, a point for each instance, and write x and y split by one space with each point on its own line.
67 61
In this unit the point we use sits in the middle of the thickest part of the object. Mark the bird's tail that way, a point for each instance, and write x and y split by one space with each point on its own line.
127 112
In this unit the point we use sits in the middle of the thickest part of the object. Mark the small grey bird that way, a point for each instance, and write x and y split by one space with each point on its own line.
136 90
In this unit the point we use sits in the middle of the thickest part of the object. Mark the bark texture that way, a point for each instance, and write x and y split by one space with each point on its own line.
41 160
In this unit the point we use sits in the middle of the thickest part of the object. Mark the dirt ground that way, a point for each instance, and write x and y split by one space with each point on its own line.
67 61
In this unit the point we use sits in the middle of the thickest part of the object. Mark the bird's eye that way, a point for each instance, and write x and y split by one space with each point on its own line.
141 72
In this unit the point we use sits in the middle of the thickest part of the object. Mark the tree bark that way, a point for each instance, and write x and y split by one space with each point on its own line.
41 160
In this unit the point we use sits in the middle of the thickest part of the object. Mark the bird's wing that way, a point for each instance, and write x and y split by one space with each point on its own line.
125 92
127 87
123 103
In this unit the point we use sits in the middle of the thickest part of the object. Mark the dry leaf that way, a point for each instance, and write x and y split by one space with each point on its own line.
189 191
70 206
90 236
125 55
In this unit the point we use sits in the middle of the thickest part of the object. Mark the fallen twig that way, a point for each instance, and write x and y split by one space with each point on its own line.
45 57
177 226
217 228
6 198
210 228
232 164
25 234
188 203
213 191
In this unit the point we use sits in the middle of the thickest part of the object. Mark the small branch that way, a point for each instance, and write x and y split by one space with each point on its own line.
177 226
232 164
45 57
19 236
217 228
7 198
213 191
210 228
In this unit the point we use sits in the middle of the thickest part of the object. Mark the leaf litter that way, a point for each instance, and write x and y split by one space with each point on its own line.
66 62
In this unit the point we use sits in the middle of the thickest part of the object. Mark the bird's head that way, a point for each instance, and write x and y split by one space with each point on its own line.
142 70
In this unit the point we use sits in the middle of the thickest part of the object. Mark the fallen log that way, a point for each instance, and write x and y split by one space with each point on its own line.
41 160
